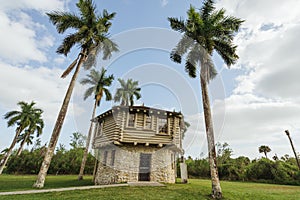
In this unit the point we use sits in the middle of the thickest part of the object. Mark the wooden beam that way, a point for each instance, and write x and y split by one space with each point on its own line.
117 143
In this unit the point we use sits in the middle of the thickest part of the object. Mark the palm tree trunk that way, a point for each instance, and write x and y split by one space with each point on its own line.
22 145
216 187
57 128
87 145
8 153
266 154
297 160
95 166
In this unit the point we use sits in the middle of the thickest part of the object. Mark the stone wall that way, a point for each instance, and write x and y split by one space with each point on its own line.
125 167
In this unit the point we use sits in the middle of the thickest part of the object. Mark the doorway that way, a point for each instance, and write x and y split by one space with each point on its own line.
145 167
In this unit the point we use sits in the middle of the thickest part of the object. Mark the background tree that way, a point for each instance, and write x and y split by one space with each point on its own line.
99 83
36 125
77 140
92 37
264 149
203 32
127 91
22 119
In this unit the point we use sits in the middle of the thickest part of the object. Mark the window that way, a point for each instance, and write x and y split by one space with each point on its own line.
112 159
105 158
172 161
131 120
100 129
162 124
148 122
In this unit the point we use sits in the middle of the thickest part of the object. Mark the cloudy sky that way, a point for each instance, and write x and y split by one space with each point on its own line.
253 102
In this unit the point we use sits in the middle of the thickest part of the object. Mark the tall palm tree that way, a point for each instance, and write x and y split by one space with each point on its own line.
99 83
92 37
206 30
126 93
264 149
22 119
36 125
291 142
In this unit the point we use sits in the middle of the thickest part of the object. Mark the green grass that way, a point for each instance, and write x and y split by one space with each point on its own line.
195 189
25 182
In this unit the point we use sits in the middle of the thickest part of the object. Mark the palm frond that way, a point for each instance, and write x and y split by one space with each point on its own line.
64 21
68 43
181 48
108 95
108 48
227 51
177 24
231 23
87 81
207 8
87 10
192 60
88 92
70 68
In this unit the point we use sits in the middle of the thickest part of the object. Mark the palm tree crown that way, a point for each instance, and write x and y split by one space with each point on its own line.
98 81
203 32
91 35
127 92
24 117
264 149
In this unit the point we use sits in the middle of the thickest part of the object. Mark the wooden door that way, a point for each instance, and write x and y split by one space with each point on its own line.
145 167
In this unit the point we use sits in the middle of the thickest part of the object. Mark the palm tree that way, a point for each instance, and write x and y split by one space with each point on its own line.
126 93
291 142
203 32
36 125
22 119
92 37
264 149
99 83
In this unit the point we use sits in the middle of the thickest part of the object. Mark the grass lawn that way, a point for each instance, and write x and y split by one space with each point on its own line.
196 189
25 182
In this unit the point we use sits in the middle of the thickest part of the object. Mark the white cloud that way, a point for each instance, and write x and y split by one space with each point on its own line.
18 41
24 39
41 84
42 6
252 120
164 3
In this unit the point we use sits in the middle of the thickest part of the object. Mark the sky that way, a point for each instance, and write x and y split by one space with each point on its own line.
253 102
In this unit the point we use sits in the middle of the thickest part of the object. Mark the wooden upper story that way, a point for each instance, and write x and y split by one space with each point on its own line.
138 125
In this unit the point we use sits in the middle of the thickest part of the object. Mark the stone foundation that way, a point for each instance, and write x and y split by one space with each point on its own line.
124 166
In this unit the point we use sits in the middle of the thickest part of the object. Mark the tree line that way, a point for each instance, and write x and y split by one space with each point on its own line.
282 170
65 161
